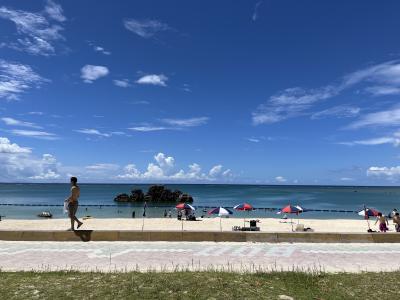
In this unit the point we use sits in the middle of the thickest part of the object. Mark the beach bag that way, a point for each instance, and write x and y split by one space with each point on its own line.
65 209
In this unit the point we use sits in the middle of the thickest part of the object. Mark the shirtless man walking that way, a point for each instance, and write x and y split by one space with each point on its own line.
73 203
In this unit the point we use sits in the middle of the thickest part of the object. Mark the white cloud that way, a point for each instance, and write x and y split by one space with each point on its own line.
164 169
145 28
341 111
11 148
384 171
380 79
384 118
35 134
215 171
280 179
253 140
395 141
101 50
192 122
14 122
95 132
54 11
37 34
124 83
153 79
18 164
102 167
254 16
16 78
89 73
164 161
130 172
346 179
148 128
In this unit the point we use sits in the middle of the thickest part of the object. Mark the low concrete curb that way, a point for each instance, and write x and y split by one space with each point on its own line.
199 236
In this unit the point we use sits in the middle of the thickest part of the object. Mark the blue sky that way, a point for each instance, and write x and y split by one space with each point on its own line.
269 92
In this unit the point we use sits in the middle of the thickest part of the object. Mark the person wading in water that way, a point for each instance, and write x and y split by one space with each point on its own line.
73 203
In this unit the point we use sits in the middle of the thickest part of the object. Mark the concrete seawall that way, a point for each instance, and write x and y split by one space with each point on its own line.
199 236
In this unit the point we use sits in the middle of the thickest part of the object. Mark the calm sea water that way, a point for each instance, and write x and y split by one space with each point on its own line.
261 196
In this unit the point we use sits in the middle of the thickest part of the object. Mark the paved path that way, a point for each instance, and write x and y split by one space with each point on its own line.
142 256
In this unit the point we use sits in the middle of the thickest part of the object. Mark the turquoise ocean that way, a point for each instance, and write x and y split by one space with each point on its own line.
25 201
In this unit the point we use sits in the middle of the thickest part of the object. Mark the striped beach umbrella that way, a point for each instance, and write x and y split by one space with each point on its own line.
220 211
368 212
244 207
184 206
290 209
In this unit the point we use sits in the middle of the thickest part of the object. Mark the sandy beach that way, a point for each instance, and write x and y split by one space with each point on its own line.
207 224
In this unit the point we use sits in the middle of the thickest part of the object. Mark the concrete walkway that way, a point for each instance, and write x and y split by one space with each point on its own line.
168 256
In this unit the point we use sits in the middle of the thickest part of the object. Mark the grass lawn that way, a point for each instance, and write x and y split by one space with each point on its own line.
198 285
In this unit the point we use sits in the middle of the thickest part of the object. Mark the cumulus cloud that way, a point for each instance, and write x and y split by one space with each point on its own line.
11 148
377 80
37 32
145 28
90 73
153 79
16 78
13 122
384 171
163 168
17 163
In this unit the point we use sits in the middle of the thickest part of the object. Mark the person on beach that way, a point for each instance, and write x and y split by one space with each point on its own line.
396 221
383 222
73 203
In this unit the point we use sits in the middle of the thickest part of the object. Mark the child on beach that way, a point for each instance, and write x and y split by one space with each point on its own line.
396 221
383 222
73 203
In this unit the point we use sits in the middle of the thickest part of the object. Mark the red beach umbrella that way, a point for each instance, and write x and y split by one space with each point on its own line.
243 207
290 209
184 206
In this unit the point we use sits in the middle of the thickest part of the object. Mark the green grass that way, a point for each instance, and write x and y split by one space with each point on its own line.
198 285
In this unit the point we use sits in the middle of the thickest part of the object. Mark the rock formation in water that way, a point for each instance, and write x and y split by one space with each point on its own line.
156 193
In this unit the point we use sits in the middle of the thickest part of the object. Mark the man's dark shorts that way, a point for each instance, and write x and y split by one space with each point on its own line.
72 208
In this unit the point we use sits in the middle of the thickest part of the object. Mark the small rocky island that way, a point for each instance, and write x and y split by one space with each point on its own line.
156 193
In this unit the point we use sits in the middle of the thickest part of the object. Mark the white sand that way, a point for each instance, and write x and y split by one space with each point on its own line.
207 224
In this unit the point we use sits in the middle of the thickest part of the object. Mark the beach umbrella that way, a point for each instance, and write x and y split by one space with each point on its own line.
244 207
368 212
220 211
184 206
290 209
